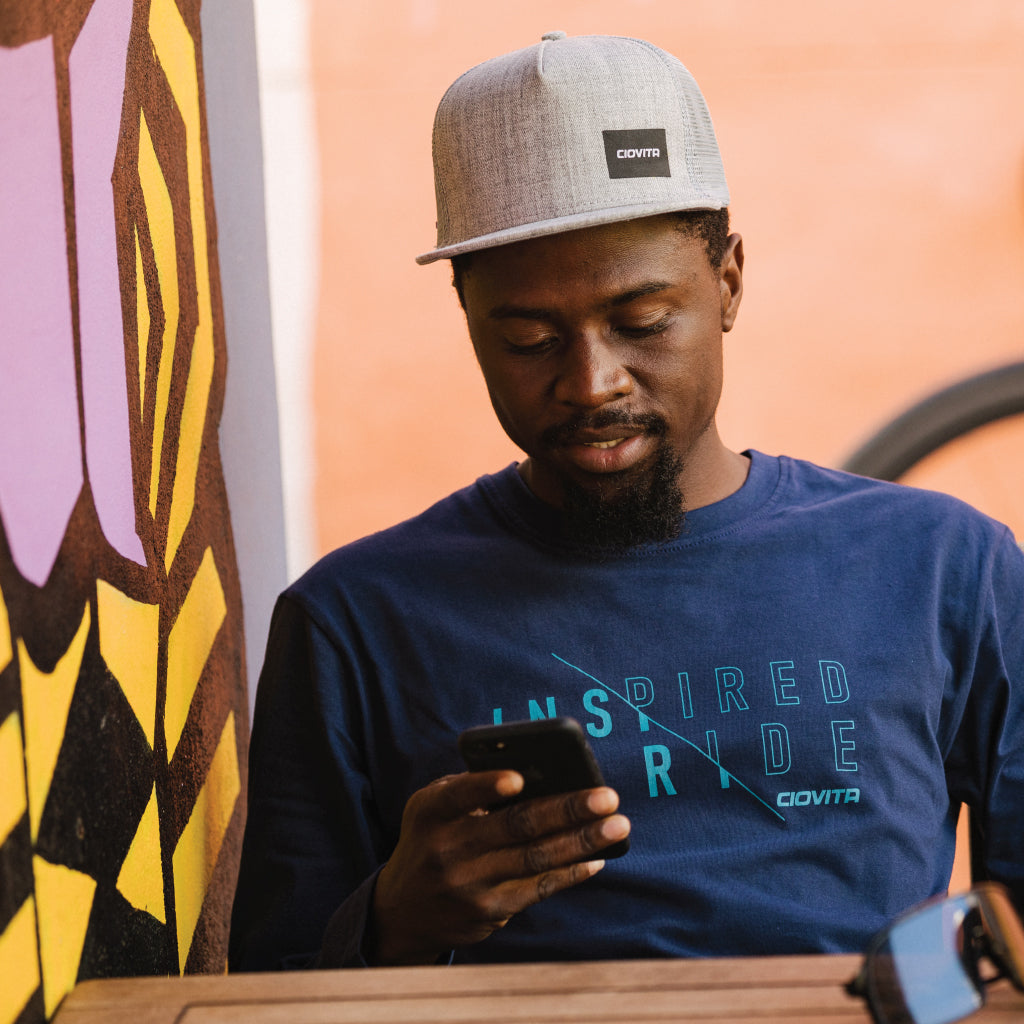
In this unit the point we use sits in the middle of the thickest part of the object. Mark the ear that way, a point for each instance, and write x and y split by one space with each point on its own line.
731 280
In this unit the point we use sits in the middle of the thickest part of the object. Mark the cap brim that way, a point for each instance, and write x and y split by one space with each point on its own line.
558 225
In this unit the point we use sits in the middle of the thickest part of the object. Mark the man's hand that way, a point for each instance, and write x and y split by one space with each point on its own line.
461 870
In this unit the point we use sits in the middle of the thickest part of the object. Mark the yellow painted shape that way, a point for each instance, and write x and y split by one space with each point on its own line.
189 645
176 52
6 651
190 440
129 643
196 854
19 958
64 903
140 880
46 700
143 320
12 774
160 217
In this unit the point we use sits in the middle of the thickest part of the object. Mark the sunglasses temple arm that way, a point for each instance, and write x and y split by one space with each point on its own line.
858 986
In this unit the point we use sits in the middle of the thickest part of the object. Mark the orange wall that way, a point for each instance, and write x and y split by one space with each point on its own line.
875 155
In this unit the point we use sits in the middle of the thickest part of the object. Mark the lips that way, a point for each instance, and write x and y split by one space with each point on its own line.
604 442
610 455
605 428
608 437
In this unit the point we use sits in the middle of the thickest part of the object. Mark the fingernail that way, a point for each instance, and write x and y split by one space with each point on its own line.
509 785
615 828
603 801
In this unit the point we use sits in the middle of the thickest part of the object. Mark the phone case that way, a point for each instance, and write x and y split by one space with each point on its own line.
552 755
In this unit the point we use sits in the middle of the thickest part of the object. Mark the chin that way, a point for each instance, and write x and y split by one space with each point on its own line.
626 510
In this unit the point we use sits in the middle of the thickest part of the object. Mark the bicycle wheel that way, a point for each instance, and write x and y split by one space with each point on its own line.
940 419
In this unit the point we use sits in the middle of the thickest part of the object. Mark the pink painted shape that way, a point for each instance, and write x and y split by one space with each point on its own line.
40 451
97 70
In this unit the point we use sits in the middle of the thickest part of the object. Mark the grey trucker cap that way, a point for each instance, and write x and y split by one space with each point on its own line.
570 133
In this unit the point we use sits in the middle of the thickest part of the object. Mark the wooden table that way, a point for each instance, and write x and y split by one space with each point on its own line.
803 989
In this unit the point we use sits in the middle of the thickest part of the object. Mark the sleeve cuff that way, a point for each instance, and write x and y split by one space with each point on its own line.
345 938
345 935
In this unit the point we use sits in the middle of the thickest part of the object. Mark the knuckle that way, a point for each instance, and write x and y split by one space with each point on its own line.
420 803
437 860
519 820
491 910
444 795
413 806
573 807
546 886
536 859
591 840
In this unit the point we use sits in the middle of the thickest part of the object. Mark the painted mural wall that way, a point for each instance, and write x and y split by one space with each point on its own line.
123 714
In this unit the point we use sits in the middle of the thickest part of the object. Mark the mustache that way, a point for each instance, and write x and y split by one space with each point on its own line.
565 433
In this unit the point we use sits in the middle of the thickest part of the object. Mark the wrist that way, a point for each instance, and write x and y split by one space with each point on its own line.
388 941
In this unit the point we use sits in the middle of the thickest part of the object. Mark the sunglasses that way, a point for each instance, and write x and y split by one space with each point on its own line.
932 964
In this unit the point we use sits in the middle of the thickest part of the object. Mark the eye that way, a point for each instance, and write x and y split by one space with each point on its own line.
643 329
529 342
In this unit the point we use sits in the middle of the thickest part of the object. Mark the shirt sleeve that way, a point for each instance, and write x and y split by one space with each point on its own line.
312 843
986 765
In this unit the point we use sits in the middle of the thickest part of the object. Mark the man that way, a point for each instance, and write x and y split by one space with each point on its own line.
792 677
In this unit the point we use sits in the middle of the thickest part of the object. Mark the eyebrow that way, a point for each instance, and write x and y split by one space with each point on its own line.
509 311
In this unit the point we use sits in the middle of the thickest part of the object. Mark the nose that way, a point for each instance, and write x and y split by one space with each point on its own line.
591 373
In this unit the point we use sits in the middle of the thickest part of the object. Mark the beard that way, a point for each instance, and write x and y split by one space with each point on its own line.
644 506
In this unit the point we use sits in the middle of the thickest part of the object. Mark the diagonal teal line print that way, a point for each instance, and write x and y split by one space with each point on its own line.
665 728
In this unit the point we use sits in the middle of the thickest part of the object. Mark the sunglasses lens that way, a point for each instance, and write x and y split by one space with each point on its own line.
924 973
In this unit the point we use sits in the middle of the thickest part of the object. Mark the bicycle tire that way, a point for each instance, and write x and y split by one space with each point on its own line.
938 419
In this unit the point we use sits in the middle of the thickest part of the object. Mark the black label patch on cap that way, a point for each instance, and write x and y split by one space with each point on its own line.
637 153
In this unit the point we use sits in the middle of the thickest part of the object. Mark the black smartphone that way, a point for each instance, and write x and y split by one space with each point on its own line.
552 755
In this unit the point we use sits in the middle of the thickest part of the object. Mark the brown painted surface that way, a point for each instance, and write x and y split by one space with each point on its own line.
122 682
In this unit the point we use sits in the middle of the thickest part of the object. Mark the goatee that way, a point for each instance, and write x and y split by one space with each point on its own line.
646 507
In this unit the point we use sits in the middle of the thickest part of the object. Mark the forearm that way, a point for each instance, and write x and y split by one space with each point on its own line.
308 848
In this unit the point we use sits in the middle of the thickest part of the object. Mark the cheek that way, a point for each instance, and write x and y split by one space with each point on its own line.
514 390
510 406
711 369
691 382
710 385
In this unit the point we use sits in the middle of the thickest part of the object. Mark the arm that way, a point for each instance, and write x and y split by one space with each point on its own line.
311 837
986 764
309 892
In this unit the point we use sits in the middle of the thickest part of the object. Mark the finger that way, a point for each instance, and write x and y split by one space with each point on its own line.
564 849
455 796
515 896
499 862
531 819
555 881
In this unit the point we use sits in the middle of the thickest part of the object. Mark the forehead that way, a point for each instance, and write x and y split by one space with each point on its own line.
590 265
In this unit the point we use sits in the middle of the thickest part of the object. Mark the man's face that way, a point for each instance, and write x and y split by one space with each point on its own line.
602 353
